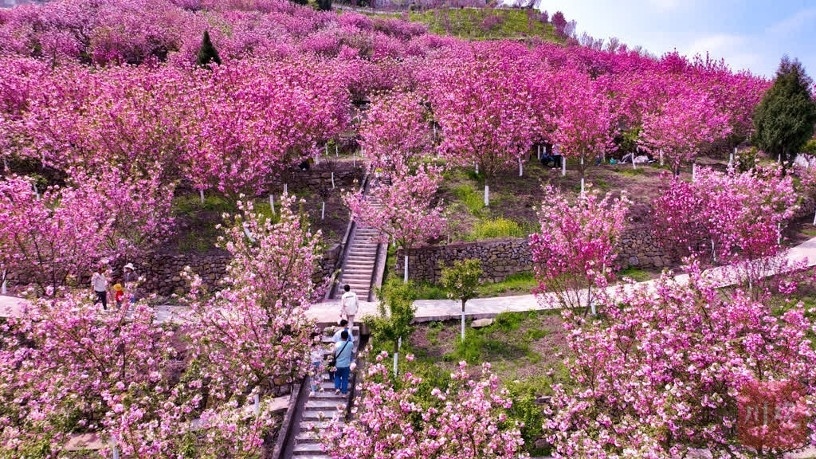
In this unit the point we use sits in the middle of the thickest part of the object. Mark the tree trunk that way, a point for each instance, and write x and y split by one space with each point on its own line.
463 320
405 274
486 195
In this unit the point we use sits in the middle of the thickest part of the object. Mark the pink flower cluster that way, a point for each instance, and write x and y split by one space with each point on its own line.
467 419
662 373
575 251
159 390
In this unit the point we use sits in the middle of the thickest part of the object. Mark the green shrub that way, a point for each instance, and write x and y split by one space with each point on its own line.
810 147
526 411
496 228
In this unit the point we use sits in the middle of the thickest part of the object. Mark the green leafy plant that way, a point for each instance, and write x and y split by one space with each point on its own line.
395 314
461 280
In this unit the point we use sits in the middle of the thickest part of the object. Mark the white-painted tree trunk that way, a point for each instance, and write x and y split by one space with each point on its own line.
563 166
463 322
396 354
731 158
521 167
713 252
332 177
272 202
693 171
3 286
323 210
661 158
256 407
582 178
487 195
248 234
814 218
115 451
634 166
477 168
201 196
285 189
405 271
780 158
336 154
778 234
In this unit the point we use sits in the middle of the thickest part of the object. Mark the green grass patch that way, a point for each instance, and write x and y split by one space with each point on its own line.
429 291
636 274
521 284
495 228
627 170
472 199
485 23
191 203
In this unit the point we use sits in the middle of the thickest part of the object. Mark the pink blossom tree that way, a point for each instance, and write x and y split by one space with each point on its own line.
663 373
50 236
255 329
685 121
70 369
137 210
401 210
585 123
729 218
484 107
396 132
575 252
464 420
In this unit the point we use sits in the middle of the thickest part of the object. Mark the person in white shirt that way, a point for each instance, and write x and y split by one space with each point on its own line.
99 283
344 325
348 305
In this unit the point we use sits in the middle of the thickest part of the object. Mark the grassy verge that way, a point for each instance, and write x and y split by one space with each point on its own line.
524 350
485 23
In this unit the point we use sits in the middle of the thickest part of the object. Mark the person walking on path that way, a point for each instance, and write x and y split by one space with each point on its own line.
344 326
348 305
342 363
130 279
99 283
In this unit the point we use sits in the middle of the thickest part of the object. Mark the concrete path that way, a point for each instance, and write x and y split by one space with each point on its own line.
432 310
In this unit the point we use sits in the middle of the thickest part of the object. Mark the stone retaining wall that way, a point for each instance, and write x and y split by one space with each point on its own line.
161 272
346 174
504 257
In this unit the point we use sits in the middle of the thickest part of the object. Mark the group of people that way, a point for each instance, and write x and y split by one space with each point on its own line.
123 290
341 350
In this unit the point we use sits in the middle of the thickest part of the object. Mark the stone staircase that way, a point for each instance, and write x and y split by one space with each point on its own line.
360 263
317 414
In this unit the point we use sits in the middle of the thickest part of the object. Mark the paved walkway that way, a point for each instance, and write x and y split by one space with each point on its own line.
433 310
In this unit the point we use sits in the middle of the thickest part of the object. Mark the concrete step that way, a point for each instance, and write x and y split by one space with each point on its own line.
367 263
363 251
302 449
308 436
328 405
357 275
315 422
317 416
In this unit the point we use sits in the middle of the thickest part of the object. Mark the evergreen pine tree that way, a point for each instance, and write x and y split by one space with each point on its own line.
785 118
207 53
